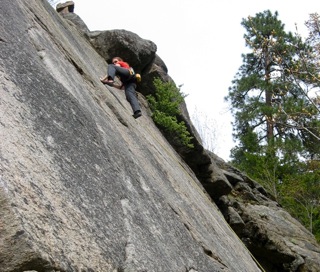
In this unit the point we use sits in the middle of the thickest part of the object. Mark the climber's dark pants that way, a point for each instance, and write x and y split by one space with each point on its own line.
114 70
131 95
128 83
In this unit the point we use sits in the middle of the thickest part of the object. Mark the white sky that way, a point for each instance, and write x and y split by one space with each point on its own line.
201 43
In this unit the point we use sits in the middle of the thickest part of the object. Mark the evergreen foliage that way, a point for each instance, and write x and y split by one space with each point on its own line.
300 195
165 105
277 116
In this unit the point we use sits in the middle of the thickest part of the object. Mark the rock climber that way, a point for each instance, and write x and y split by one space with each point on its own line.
122 69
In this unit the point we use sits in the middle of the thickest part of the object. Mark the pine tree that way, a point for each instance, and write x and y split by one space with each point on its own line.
272 113
312 59
276 109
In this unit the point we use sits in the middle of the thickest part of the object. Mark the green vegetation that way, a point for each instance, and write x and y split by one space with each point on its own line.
276 107
165 105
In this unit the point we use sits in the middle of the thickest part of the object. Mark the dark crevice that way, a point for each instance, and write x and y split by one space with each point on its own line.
209 253
78 68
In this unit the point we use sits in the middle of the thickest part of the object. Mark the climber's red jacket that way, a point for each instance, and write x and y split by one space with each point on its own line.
123 64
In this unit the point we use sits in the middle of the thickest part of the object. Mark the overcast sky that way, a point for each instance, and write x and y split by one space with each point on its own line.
201 43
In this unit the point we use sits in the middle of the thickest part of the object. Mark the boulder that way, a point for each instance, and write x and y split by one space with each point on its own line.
66 7
138 52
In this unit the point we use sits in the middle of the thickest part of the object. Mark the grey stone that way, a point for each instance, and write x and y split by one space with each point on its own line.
85 187
65 7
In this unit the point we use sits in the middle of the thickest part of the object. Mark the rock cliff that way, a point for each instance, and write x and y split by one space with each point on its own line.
86 187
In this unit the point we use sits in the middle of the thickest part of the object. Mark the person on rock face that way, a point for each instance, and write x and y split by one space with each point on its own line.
123 70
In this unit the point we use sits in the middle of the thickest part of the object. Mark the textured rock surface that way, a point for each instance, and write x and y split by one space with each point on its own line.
85 187
277 240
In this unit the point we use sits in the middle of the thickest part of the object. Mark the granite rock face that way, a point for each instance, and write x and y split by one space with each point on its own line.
86 187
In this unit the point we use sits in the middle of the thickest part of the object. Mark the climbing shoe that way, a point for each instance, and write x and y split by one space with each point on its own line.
137 114
109 83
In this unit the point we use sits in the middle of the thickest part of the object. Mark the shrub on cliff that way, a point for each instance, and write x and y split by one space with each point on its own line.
164 104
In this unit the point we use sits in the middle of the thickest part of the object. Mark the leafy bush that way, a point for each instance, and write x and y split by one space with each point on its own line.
165 109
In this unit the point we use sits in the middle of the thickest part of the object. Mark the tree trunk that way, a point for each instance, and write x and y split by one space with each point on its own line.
270 152
268 94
